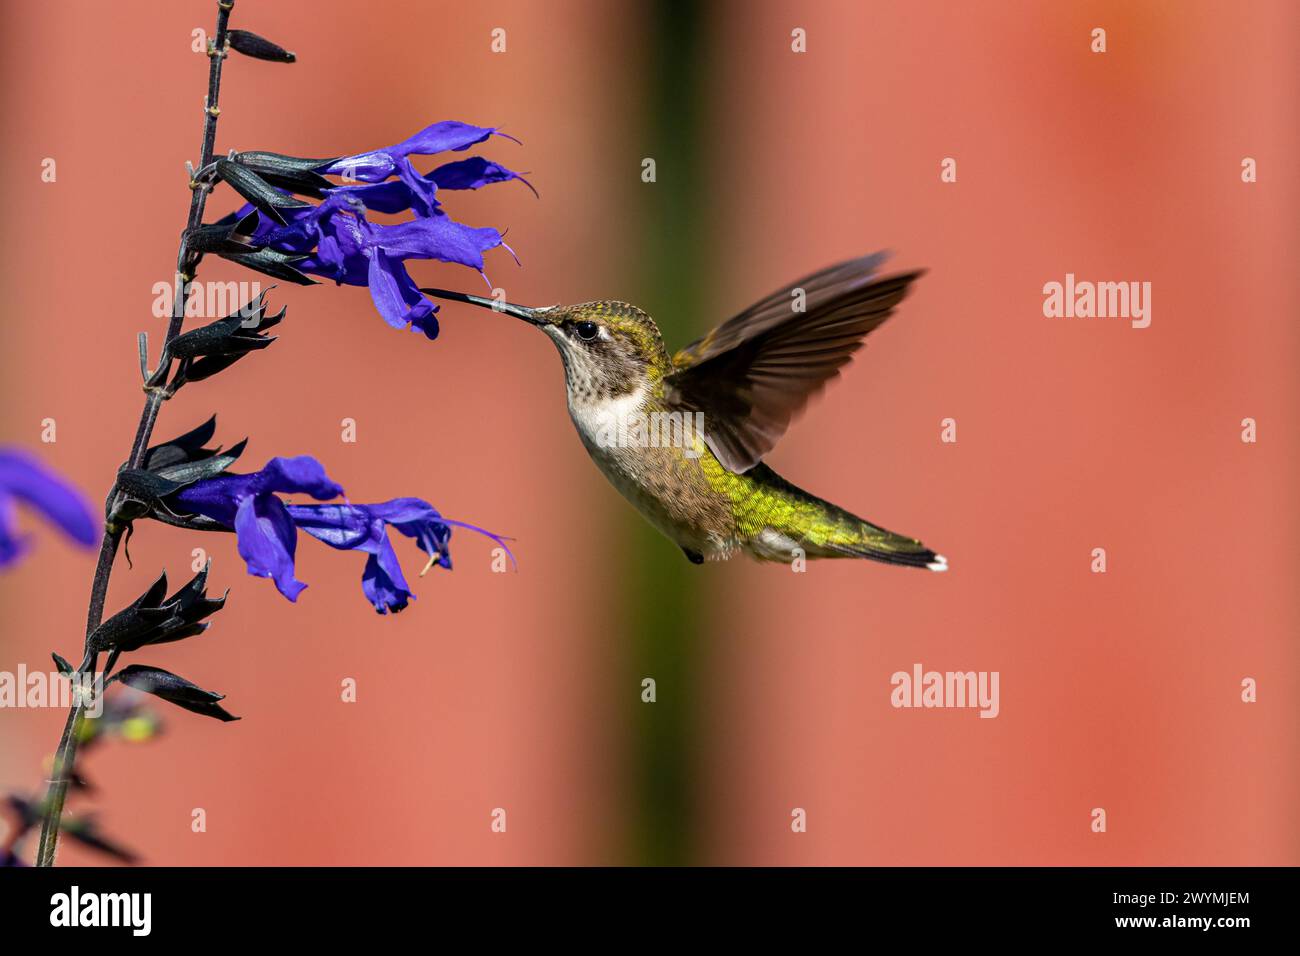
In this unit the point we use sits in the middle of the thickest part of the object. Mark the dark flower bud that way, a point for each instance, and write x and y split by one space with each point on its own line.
265 161
166 469
187 447
207 350
126 629
152 620
143 486
187 472
259 48
272 262
258 191
174 689
182 462
138 492
228 235
293 173
191 605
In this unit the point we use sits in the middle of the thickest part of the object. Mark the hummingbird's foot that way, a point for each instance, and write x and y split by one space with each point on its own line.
693 556
433 559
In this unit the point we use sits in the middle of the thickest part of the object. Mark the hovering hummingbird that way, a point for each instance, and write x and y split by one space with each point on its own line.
710 492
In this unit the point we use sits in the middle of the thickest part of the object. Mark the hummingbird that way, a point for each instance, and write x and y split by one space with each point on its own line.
706 488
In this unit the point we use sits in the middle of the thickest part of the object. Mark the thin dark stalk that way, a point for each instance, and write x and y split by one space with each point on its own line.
186 266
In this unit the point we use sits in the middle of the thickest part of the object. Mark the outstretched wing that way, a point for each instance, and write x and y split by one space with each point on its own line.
756 371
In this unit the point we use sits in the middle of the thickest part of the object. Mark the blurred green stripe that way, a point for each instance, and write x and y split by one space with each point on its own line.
663 590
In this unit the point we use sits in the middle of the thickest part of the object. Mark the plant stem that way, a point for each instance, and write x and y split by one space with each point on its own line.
186 266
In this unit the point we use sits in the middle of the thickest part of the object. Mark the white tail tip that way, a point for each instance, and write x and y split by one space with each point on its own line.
940 563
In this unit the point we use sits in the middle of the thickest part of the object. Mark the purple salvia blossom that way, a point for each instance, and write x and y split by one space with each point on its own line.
248 504
339 242
365 528
354 251
379 164
267 528
23 479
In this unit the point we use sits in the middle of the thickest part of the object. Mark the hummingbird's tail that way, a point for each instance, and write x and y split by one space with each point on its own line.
870 541
785 517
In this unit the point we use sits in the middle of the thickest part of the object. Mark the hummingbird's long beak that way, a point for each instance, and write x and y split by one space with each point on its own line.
518 311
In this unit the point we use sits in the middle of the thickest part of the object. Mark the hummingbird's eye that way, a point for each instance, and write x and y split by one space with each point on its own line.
586 330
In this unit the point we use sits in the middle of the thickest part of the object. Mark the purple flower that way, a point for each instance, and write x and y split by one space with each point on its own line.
24 479
248 504
364 528
341 244
379 164
267 527
338 242
417 193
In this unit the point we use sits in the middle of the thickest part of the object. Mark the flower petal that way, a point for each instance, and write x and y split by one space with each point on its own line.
437 237
351 527
440 137
300 474
12 545
379 164
473 173
216 498
383 582
381 590
386 291
347 527
391 197
30 482
267 542
397 297
422 190
416 518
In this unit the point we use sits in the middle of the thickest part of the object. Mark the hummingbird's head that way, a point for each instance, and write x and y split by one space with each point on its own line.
609 348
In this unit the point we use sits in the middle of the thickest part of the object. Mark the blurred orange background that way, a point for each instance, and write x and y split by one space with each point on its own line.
522 691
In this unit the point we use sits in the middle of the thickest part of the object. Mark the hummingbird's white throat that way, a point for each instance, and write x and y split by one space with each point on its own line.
595 417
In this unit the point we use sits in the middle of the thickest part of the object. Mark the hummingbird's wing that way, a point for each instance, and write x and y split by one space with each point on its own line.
754 372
